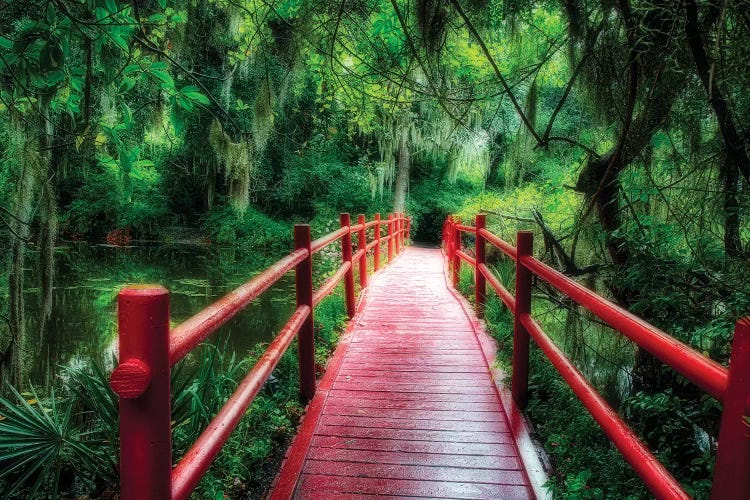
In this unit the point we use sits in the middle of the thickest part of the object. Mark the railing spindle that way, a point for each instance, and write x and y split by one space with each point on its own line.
142 383
480 283
520 375
456 237
391 232
346 253
304 291
732 470
376 250
362 245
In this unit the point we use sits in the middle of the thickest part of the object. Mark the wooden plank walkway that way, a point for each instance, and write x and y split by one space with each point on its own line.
408 406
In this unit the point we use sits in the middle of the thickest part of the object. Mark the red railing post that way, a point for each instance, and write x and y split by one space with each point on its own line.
400 232
141 380
304 290
376 249
456 259
346 252
480 283
362 244
391 233
520 375
396 246
449 240
408 228
732 470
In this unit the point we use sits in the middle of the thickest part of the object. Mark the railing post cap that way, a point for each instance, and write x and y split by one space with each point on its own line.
143 290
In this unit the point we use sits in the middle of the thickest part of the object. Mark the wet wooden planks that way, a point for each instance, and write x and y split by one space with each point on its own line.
409 409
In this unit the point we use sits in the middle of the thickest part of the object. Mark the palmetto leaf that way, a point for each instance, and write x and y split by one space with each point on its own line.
37 439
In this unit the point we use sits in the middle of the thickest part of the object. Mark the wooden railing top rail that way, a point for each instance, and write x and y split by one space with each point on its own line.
730 386
148 349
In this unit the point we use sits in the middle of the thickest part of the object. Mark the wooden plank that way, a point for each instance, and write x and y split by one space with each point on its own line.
409 446
488 437
411 408
492 462
409 414
415 405
323 486
414 472
408 423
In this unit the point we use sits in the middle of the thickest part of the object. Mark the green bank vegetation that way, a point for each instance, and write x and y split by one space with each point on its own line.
616 130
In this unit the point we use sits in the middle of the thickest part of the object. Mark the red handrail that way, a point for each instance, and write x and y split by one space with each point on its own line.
148 350
729 386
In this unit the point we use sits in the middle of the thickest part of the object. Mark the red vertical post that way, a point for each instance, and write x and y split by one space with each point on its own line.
456 259
401 231
142 382
362 244
449 240
480 282
520 375
396 247
390 237
408 228
400 238
398 232
376 252
346 253
306 337
731 479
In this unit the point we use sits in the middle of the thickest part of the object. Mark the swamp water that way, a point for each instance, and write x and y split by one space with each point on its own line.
83 325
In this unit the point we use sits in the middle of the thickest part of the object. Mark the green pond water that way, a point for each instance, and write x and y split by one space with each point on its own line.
88 277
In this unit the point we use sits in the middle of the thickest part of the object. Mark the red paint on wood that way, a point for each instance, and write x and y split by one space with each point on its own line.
130 379
376 252
145 436
304 294
520 376
390 238
346 255
731 478
362 250
480 282
411 408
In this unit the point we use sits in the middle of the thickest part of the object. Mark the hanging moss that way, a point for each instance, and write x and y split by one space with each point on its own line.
263 116
235 158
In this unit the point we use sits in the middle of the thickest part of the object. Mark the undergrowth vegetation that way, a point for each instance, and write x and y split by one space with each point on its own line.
65 442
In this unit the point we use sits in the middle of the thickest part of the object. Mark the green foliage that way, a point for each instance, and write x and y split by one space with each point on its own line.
40 441
251 229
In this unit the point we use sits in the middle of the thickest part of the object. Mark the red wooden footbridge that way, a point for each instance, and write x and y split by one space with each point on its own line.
412 403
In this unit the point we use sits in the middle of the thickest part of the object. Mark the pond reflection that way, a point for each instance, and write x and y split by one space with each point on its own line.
87 278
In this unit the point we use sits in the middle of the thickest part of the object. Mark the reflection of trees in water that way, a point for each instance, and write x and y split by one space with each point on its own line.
82 323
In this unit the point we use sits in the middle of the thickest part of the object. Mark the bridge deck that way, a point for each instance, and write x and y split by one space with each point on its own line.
408 406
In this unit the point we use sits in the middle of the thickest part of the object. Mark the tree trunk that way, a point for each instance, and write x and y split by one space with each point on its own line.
736 158
402 176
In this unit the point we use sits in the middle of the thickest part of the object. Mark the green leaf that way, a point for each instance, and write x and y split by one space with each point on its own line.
162 4
143 163
76 84
55 77
119 40
127 84
130 69
164 77
111 6
5 43
194 94
184 103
